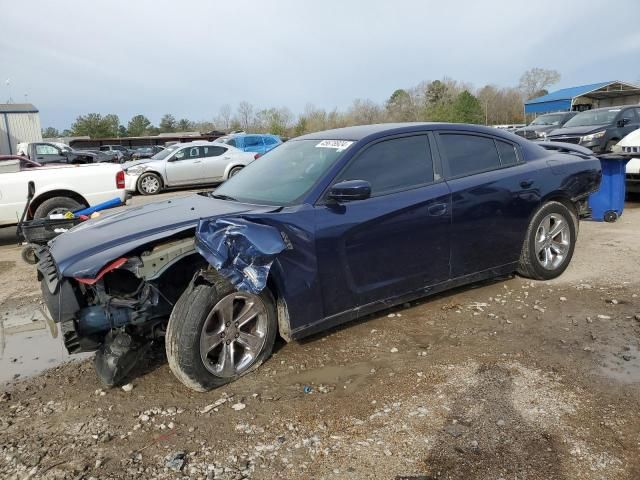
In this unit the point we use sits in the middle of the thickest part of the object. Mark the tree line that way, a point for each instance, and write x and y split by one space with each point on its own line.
445 100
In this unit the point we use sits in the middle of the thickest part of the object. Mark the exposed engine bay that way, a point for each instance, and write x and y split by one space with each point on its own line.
125 308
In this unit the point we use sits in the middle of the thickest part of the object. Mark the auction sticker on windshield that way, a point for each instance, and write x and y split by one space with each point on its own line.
339 145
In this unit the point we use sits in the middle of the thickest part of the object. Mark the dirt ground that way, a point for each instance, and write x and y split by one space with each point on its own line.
511 380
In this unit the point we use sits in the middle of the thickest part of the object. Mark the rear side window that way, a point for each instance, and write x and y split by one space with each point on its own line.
393 165
467 154
213 151
508 154
252 141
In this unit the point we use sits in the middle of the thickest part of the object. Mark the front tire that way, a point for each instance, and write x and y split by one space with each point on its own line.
149 183
609 146
549 242
216 333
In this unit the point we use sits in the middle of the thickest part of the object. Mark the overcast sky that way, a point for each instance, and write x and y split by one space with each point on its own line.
190 57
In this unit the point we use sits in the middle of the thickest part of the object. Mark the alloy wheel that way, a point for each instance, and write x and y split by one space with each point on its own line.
553 240
233 334
150 184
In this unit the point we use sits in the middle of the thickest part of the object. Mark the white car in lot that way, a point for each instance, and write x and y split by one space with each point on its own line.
185 164
58 188
630 146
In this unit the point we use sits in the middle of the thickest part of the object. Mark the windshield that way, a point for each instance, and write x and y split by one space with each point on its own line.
162 154
593 117
285 174
554 119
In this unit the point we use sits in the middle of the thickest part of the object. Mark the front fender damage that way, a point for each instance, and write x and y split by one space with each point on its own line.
240 249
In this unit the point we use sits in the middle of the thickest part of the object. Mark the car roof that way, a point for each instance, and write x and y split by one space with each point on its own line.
612 107
236 135
360 132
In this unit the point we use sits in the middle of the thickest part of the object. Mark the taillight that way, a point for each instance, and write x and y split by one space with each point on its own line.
257 156
120 179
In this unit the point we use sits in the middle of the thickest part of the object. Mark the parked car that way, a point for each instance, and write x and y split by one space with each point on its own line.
326 228
599 129
48 152
58 188
122 153
182 164
146 152
630 146
544 124
251 142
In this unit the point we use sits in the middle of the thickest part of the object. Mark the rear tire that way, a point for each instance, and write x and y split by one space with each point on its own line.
149 184
200 331
234 171
549 242
56 205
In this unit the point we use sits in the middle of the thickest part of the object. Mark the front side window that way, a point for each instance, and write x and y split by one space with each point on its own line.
193 152
467 154
393 165
46 150
630 114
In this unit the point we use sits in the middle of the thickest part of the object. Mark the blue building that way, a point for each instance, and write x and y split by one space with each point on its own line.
585 97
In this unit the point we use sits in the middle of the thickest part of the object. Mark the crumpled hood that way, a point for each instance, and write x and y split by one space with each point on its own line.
586 130
84 250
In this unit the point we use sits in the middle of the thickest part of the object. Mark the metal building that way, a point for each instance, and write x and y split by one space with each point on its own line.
19 122
585 97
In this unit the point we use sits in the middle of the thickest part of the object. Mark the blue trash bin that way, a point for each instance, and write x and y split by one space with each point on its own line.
607 203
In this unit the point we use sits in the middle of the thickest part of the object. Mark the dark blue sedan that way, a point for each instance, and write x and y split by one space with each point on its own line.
325 229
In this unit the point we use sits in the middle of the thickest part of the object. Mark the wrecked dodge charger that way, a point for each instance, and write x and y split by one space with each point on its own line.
324 229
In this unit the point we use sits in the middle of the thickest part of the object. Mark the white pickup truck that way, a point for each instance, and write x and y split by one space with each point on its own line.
58 188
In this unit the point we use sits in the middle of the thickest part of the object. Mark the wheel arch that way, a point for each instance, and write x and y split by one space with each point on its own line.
560 197
231 166
284 325
44 196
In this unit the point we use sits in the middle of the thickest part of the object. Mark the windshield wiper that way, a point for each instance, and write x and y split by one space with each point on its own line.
222 196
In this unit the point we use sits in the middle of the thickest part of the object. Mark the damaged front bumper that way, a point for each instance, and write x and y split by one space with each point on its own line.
119 312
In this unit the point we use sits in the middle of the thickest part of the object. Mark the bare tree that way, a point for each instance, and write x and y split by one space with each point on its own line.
224 116
535 80
245 114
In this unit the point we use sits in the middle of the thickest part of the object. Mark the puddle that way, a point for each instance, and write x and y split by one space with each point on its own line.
616 366
28 343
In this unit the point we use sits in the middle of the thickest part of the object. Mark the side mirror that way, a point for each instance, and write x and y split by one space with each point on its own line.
623 121
350 190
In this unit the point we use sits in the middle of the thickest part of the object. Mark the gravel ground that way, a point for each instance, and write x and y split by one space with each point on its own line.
505 380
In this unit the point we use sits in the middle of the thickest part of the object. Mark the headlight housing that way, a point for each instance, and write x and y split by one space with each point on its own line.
593 136
541 134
